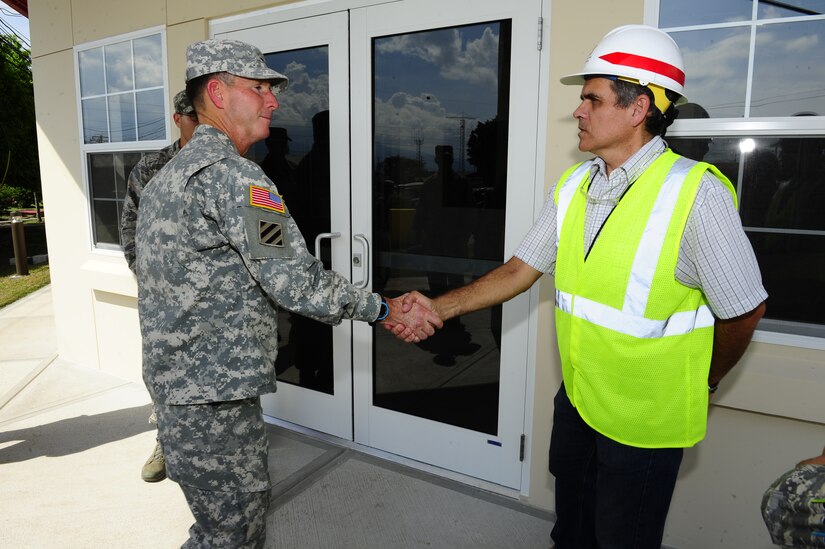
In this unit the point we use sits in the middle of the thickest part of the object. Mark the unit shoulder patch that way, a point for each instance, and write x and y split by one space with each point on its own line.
271 234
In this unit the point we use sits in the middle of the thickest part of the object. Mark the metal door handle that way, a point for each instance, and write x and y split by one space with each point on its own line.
318 240
365 265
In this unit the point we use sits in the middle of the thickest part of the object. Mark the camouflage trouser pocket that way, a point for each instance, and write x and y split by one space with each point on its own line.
219 446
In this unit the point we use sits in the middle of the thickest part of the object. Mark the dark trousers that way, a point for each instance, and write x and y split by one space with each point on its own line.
608 495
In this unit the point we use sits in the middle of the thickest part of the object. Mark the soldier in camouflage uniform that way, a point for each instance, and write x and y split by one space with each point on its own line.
794 505
154 470
217 254
151 163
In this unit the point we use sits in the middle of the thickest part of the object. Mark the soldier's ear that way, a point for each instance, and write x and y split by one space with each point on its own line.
215 91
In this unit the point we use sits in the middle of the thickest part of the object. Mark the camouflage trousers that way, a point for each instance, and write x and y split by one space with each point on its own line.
794 507
226 519
218 454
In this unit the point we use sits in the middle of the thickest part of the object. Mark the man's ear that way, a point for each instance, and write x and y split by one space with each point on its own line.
215 91
176 117
640 107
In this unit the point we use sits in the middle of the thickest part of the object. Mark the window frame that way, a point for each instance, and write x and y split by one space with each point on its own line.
768 330
137 146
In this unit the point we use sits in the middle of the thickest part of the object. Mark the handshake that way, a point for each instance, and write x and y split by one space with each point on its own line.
412 317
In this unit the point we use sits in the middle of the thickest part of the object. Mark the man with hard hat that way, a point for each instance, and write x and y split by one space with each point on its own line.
154 469
657 295
217 255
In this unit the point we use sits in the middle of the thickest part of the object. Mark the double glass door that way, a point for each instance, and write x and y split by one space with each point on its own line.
396 152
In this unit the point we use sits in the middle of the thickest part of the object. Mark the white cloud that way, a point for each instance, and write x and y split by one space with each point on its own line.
403 118
787 76
305 96
802 44
715 75
475 62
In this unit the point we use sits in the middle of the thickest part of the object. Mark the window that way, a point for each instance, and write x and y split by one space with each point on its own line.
122 88
108 173
757 111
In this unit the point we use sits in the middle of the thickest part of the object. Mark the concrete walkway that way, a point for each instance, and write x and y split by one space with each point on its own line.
73 440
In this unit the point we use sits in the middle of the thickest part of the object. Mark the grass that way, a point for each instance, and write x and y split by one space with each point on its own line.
14 287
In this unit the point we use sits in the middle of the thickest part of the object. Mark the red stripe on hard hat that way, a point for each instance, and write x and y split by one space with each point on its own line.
646 63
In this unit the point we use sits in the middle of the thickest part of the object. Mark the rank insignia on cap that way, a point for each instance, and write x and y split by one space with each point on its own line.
263 198
271 234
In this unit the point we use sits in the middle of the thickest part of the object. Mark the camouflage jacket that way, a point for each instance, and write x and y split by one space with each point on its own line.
217 254
140 175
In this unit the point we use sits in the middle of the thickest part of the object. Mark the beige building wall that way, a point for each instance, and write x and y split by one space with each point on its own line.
767 416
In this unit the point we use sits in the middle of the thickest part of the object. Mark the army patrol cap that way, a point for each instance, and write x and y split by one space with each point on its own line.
182 104
231 56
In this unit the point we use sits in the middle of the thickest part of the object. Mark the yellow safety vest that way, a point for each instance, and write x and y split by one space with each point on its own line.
635 344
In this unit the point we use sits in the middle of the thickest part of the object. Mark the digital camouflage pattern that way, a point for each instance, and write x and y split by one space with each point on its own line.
144 170
220 447
232 56
214 264
211 278
240 522
794 507
182 104
218 455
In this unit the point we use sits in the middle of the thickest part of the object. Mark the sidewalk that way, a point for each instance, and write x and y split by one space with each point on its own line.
73 440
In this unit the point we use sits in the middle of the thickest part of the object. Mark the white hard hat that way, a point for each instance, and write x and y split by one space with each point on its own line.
638 53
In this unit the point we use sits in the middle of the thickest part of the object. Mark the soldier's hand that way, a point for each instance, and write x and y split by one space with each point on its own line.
414 324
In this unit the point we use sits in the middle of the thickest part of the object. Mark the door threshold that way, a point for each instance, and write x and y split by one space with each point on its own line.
395 458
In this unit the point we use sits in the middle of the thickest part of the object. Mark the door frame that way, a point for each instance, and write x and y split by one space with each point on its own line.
469 452
533 190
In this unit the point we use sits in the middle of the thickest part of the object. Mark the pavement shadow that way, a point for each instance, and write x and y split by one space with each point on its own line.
73 435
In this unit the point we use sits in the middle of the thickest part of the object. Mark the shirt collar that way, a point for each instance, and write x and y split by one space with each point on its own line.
634 166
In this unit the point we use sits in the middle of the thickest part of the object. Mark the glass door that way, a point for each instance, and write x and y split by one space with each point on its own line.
443 170
307 157
405 146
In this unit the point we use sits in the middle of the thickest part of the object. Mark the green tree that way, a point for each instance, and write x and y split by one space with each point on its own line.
19 166
486 150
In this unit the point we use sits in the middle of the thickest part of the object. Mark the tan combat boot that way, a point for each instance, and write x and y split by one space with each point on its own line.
154 470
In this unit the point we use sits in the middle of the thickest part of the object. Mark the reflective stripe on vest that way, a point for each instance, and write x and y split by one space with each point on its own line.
631 320
567 192
633 325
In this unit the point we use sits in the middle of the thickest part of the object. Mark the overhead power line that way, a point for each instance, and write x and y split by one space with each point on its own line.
5 28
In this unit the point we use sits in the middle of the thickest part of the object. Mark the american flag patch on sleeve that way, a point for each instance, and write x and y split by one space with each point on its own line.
264 198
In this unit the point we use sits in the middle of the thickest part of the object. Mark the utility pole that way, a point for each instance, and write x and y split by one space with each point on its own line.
462 128
418 142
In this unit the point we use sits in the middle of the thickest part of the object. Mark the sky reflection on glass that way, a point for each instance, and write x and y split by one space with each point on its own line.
426 83
119 67
716 67
307 94
678 13
788 73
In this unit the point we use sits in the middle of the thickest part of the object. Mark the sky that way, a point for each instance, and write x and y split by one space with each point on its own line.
16 21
